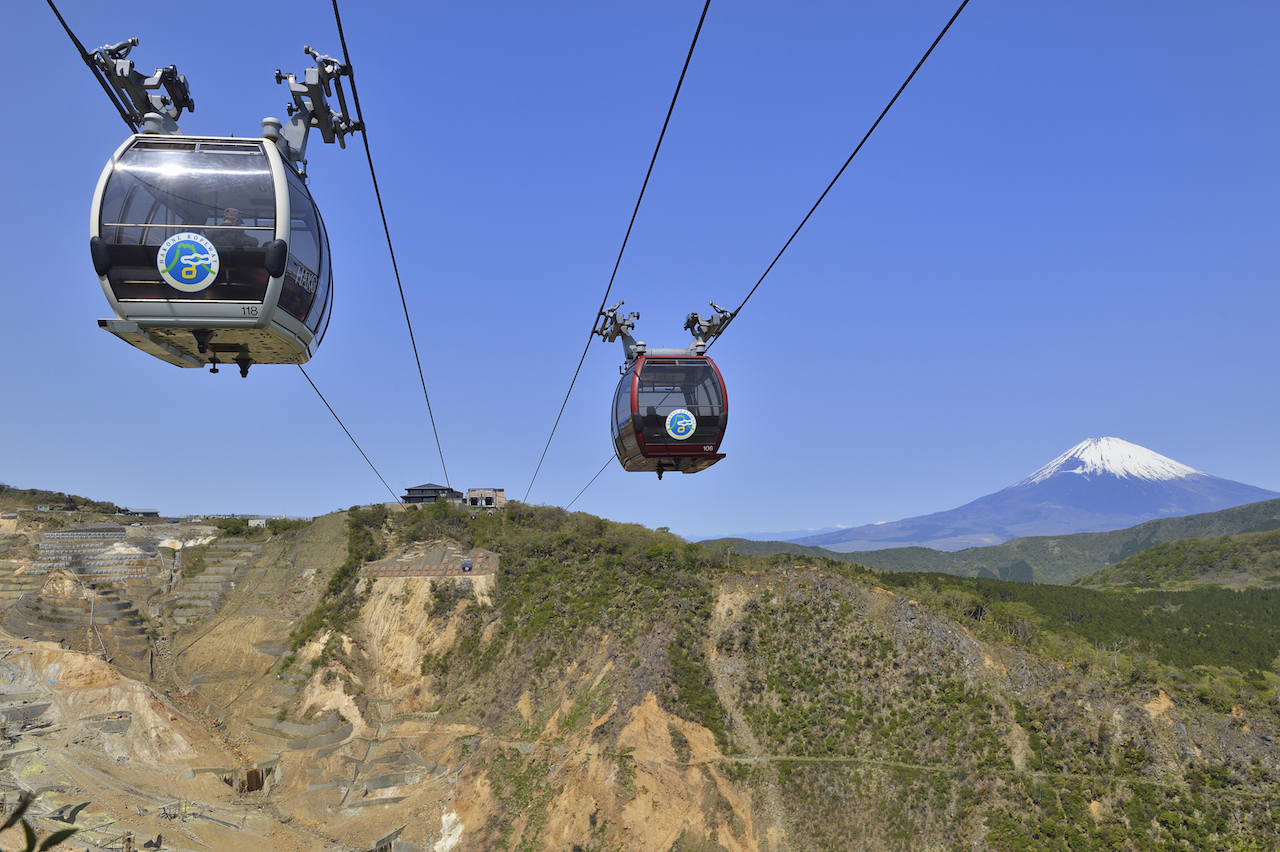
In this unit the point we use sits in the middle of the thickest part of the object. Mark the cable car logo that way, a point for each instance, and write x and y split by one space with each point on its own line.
681 423
188 262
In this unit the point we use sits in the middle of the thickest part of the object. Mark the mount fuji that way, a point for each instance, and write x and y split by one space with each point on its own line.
1099 485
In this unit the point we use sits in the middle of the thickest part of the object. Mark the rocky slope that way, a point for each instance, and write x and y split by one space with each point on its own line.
613 688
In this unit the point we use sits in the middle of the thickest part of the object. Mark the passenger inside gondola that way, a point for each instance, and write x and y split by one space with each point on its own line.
690 385
231 233
160 187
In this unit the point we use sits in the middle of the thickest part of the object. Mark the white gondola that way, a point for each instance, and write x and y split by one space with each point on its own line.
210 250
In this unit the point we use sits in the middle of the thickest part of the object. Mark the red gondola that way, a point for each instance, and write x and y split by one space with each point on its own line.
671 408
670 413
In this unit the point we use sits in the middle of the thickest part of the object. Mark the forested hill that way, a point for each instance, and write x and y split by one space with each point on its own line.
1235 561
15 499
1040 559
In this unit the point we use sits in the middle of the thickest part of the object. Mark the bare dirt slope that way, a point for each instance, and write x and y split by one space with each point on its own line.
124 751
227 658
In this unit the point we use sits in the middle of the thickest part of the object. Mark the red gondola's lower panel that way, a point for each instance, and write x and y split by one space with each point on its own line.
684 464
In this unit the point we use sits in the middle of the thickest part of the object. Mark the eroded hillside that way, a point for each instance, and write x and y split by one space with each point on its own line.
599 686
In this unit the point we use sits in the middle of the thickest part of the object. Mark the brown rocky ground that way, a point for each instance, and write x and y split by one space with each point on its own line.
191 737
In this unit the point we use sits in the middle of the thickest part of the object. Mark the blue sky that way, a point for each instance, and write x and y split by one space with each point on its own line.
1066 228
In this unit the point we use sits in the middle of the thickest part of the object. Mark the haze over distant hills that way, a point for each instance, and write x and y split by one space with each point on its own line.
1038 559
779 535
1101 484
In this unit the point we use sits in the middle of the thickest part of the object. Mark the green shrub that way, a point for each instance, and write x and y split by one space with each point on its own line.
233 527
280 526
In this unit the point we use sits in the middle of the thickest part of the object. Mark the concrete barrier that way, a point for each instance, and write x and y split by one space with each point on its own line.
392 779
297 731
270 734
24 712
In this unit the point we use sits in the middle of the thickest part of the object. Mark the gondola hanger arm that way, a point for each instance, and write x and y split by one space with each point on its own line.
613 325
141 96
706 330
311 108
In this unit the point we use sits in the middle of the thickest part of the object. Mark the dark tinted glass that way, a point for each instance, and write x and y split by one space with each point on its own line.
302 274
666 385
622 404
222 191
320 305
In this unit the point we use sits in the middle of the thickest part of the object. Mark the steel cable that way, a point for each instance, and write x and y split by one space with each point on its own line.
97 72
842 168
364 134
588 485
618 262
344 429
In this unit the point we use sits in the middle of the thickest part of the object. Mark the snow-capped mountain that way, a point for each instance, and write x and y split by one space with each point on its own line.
1099 456
1098 485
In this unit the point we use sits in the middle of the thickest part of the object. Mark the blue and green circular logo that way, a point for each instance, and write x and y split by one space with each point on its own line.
188 262
681 423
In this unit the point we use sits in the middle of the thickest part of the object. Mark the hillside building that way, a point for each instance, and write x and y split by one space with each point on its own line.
486 498
431 493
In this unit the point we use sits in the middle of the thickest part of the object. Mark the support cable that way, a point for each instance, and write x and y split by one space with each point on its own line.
618 262
885 112
588 485
845 166
344 429
364 133
97 73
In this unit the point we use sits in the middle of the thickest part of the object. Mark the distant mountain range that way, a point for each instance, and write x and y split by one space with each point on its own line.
777 535
1100 484
1038 559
